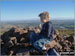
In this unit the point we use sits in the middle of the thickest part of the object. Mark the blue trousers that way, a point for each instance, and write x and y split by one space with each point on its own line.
34 37
39 43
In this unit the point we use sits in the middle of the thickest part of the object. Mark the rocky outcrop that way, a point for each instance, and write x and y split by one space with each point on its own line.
16 42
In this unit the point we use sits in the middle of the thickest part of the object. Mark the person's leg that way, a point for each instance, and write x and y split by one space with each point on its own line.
52 52
40 44
33 38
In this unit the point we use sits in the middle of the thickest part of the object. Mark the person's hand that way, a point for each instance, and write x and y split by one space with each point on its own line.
51 44
47 46
26 44
11 53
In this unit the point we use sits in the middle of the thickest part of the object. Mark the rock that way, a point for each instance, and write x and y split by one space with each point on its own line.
16 42
71 39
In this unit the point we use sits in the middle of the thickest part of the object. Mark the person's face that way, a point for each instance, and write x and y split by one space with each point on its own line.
43 20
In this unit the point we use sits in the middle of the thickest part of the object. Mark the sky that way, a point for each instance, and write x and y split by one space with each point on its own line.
29 10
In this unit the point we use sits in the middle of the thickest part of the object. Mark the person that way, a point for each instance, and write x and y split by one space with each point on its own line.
45 40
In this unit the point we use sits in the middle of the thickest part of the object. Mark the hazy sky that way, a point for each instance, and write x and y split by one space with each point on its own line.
28 10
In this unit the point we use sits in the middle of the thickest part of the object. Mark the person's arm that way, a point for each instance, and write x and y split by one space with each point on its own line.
49 30
50 33
42 31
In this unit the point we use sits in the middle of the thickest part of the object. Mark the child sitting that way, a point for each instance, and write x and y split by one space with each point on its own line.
41 41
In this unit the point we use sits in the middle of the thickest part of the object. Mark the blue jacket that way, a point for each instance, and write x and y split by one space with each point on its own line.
47 30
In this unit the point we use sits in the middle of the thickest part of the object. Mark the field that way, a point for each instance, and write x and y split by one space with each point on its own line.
58 24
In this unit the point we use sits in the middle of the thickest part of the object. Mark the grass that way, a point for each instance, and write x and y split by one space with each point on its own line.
66 32
1 33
